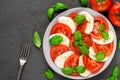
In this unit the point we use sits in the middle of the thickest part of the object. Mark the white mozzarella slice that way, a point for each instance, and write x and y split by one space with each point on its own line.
68 21
60 60
90 20
92 54
102 41
66 40
86 73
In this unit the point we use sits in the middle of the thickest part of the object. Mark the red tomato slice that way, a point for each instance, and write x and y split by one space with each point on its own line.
72 60
82 27
73 15
91 64
108 48
75 74
73 47
57 50
96 32
96 5
114 14
61 28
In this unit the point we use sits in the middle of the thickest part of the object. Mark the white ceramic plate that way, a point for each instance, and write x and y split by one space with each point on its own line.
46 45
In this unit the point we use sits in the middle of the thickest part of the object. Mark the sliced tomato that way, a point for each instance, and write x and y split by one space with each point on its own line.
82 27
73 15
108 48
57 50
75 74
100 5
87 39
61 28
92 65
72 60
96 32
114 14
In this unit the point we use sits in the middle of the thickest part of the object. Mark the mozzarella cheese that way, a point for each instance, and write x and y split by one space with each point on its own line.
86 73
90 20
60 60
92 54
66 40
102 41
68 21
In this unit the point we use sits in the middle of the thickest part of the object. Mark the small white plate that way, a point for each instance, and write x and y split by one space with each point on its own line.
46 45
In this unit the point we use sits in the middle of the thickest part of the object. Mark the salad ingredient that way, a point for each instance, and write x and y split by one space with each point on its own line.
92 65
103 41
92 55
67 21
61 28
63 41
115 71
49 74
60 60
100 56
119 44
105 34
72 15
78 35
96 29
89 21
67 70
114 14
36 39
108 48
55 40
72 60
100 5
50 13
83 3
59 7
80 69
57 50
79 19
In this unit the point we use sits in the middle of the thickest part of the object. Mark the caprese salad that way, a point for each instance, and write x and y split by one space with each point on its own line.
80 43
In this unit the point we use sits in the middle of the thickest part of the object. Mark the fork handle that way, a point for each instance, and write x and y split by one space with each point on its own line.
19 73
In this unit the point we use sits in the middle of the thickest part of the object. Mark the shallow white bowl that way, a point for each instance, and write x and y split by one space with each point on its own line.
46 45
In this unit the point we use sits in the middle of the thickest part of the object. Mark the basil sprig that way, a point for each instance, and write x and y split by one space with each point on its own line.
105 34
83 47
100 56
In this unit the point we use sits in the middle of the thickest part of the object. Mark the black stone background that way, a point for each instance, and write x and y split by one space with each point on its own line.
18 20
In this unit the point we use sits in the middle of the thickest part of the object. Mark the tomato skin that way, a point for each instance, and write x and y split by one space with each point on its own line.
61 28
73 15
57 50
96 32
115 9
72 60
91 64
108 48
96 5
82 27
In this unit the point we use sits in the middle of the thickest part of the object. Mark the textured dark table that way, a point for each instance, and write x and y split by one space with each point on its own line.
18 20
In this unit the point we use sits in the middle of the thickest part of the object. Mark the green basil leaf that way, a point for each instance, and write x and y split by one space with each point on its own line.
84 49
84 3
77 35
101 28
50 13
80 69
79 19
55 40
119 44
112 78
105 35
59 7
36 39
67 70
49 74
100 56
115 71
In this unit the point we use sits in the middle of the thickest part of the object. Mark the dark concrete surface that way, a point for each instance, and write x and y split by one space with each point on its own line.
18 20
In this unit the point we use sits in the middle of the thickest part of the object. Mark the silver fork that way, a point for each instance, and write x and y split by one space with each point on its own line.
24 54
